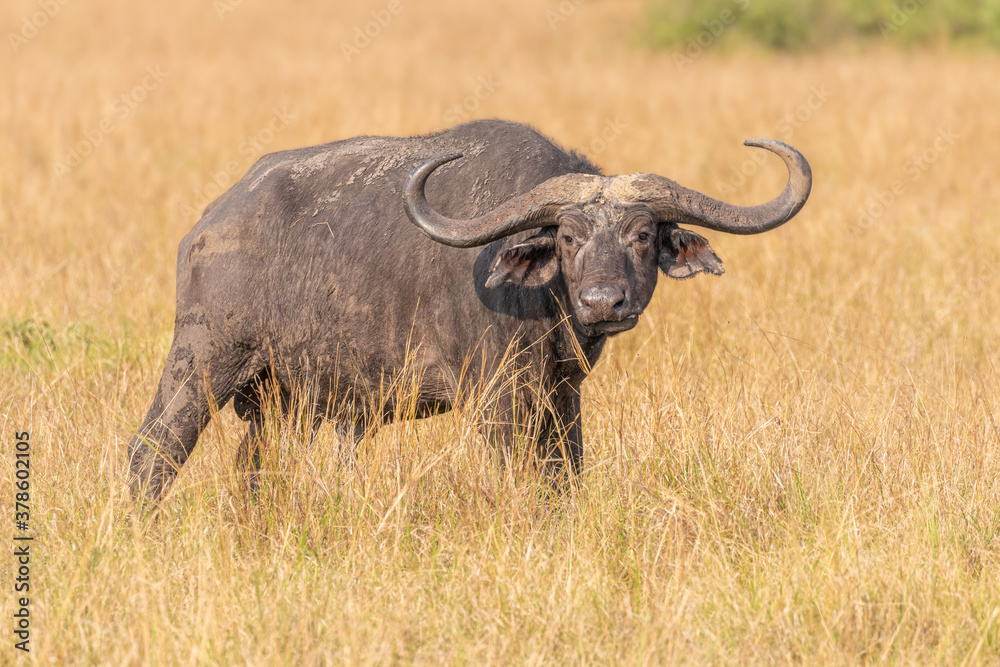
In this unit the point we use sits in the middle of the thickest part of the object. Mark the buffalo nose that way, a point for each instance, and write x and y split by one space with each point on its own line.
602 302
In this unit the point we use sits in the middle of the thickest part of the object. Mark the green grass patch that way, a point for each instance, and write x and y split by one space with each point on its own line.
32 344
794 25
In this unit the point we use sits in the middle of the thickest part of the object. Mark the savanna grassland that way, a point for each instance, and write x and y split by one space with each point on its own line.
796 462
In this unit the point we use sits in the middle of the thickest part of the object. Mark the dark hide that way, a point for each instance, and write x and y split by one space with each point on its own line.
307 272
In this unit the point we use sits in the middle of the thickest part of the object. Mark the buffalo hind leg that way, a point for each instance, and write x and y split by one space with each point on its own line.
180 410
350 433
249 402
248 457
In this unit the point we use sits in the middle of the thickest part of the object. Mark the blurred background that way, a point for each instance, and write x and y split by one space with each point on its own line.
121 123
796 460
808 25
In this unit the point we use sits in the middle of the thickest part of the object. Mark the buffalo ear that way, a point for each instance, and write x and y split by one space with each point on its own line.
530 263
684 254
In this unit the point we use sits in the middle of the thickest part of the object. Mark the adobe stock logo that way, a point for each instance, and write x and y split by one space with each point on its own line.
878 203
785 127
899 17
33 23
566 9
365 34
460 112
121 109
712 30
252 146
613 128
793 120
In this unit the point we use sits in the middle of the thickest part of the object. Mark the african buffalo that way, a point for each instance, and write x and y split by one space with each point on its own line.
336 266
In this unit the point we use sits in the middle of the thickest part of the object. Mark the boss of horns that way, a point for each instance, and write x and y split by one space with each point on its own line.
670 201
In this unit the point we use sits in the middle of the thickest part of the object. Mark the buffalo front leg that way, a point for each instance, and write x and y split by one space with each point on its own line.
552 428
180 410
561 441
512 424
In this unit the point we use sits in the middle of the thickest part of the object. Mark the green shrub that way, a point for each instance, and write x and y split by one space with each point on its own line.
809 24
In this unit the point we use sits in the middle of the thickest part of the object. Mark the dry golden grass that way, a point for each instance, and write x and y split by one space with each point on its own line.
797 462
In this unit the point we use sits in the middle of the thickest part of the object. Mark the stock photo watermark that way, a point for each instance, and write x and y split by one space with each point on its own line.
712 30
121 109
562 12
879 202
21 567
252 146
461 111
223 7
613 128
366 34
785 128
899 16
34 23
793 120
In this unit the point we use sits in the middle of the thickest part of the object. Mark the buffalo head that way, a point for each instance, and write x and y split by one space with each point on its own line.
607 235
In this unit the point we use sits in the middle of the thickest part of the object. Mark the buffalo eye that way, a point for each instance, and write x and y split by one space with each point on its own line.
567 239
642 237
